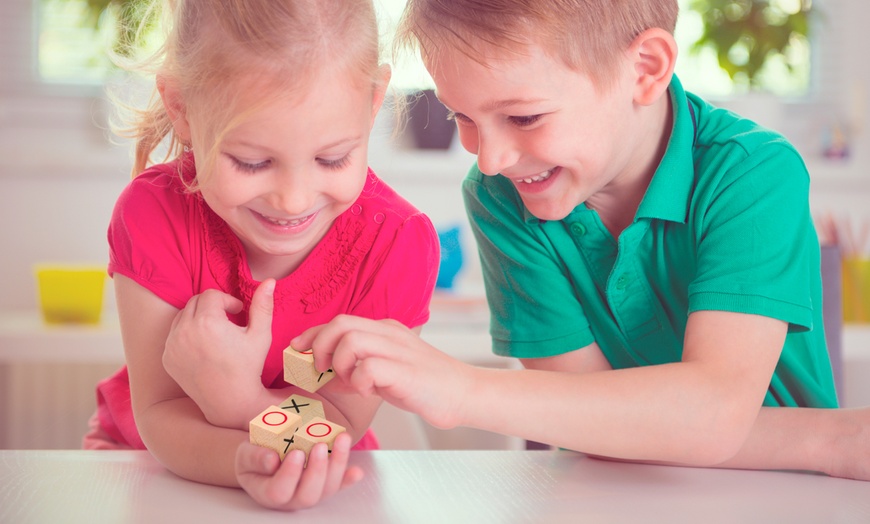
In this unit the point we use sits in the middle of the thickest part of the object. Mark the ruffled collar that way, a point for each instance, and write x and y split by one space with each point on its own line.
328 268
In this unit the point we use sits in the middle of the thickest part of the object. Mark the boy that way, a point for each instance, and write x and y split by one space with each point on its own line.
650 259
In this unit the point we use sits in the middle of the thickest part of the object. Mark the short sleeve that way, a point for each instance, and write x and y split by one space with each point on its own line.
149 237
402 277
755 236
534 309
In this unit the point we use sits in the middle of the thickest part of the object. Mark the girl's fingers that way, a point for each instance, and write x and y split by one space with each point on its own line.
337 474
310 489
262 306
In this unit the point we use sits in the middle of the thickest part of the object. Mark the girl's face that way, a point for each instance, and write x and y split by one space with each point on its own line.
282 177
542 125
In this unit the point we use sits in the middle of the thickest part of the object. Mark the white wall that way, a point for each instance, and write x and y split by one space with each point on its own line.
60 175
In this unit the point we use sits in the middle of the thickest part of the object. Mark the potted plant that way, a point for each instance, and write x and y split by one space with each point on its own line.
745 34
130 17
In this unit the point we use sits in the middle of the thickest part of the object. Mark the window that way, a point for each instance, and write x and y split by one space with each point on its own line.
74 36
72 50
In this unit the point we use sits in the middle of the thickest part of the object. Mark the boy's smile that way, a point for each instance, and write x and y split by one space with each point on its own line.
561 140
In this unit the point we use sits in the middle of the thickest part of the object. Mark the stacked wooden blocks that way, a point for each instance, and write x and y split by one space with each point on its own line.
299 422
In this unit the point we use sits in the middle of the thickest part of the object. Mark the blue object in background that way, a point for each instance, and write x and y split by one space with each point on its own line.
451 257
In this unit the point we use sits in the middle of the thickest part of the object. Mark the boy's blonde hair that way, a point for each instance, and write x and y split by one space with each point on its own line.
222 54
586 35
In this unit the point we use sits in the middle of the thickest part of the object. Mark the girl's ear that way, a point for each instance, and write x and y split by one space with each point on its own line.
654 55
175 108
382 81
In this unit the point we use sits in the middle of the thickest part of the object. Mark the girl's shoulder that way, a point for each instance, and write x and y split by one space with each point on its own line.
379 197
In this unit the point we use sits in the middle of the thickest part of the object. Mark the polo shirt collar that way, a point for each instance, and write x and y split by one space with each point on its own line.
670 189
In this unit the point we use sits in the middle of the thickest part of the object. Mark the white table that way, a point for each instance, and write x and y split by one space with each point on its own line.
429 486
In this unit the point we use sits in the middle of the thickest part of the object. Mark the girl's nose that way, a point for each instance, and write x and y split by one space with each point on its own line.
291 193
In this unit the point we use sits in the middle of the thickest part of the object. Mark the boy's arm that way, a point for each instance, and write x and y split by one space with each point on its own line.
781 438
699 411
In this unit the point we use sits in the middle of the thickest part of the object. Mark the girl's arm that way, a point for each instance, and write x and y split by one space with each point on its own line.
218 364
177 433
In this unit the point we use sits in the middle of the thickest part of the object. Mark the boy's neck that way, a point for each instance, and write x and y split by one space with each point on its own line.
617 203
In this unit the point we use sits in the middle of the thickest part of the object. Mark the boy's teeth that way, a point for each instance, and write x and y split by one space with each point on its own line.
537 178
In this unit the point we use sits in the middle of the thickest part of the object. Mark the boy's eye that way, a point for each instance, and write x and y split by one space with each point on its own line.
524 121
458 117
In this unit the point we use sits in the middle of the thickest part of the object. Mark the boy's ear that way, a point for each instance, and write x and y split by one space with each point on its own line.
654 55
382 81
175 108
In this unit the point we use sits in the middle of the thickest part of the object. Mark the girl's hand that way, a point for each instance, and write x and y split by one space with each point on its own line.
217 363
387 359
287 485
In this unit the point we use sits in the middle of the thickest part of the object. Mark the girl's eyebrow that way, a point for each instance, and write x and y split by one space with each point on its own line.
343 141
257 146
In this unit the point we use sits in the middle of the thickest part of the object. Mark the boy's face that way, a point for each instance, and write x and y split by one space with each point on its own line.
542 125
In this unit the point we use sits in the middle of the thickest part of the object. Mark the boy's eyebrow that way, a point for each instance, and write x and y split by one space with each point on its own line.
497 105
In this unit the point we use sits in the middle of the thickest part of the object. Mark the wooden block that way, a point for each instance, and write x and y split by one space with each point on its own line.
305 407
299 370
316 430
275 428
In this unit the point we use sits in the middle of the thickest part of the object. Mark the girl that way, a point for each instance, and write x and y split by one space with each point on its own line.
266 221
649 258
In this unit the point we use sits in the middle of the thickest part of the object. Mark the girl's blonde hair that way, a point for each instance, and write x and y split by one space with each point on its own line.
216 49
586 35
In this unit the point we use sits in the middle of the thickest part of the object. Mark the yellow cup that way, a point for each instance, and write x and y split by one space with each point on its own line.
856 290
70 294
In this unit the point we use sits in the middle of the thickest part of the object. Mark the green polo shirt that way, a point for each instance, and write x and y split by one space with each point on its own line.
724 225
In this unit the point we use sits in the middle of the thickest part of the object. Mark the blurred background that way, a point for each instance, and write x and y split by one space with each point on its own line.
797 66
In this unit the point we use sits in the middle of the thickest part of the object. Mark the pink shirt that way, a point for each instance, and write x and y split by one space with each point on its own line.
378 260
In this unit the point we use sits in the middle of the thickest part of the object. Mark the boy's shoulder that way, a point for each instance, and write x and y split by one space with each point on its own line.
719 128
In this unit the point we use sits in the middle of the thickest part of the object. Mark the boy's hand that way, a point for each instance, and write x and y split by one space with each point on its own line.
387 359
287 485
217 363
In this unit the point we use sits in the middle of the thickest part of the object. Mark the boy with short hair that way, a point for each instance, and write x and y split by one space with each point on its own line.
650 258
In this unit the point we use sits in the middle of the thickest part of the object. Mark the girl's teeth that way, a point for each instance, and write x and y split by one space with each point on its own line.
285 223
538 178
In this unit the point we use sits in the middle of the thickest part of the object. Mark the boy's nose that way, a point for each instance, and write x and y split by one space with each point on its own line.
495 154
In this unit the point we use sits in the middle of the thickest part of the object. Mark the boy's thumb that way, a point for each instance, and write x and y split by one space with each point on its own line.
262 305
